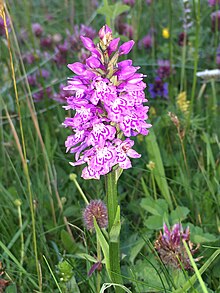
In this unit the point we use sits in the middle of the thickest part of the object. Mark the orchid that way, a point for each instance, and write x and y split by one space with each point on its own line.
108 103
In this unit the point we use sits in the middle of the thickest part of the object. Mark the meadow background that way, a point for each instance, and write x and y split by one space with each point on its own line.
44 246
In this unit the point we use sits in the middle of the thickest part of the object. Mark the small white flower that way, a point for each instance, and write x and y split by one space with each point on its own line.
209 74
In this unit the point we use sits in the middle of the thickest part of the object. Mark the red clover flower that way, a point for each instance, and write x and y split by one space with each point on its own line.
98 210
170 248
108 104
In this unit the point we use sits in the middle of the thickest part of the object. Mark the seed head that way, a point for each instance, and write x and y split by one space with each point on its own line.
98 210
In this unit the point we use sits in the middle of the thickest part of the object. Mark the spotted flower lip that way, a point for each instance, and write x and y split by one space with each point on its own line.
108 99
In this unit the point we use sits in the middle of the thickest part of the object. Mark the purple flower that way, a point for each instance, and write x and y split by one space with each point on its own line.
170 247
218 57
2 25
182 39
32 80
29 57
158 88
126 47
213 2
98 210
126 30
61 52
42 93
146 42
164 69
37 29
46 42
215 16
105 35
108 103
43 73
129 2
74 39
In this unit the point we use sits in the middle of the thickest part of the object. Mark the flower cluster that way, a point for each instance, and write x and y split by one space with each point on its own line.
108 104
170 247
98 210
160 88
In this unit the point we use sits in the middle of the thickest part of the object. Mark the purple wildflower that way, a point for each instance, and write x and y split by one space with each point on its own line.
108 104
43 73
164 69
187 21
213 2
215 16
74 39
46 42
146 42
61 52
182 39
158 88
98 210
29 58
170 247
218 57
41 93
32 80
62 95
2 25
126 30
129 2
37 29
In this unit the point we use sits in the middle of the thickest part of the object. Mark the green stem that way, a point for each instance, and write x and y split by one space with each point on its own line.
114 252
196 58
183 63
171 47
99 258
214 97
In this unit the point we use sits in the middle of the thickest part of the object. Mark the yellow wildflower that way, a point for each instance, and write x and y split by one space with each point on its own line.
165 33
182 102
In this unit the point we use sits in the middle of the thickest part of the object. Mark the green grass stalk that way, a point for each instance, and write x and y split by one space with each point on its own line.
99 258
25 166
171 47
18 204
202 284
114 250
196 5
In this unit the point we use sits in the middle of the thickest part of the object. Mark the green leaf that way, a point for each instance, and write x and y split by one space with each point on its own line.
113 10
106 9
118 9
68 243
72 285
86 257
115 230
11 289
154 222
198 236
155 207
179 214
159 173
104 245
193 279
136 248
